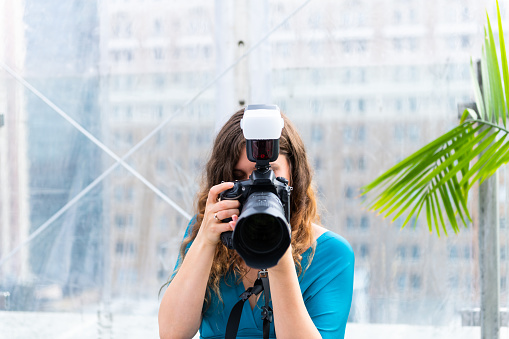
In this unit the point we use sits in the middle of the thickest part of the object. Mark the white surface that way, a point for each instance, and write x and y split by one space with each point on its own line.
46 325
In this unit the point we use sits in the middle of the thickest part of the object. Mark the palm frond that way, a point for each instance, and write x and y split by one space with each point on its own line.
439 176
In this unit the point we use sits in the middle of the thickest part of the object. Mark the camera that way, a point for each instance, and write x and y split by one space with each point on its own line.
263 233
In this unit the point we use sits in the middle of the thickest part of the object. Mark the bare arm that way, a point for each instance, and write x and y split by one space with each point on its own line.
182 303
291 318
180 310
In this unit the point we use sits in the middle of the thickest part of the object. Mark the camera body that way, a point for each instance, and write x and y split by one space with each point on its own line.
262 233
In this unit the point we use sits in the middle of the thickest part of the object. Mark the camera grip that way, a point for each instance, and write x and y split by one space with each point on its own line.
227 239
233 193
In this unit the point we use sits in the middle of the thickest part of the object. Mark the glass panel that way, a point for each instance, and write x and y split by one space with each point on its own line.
108 111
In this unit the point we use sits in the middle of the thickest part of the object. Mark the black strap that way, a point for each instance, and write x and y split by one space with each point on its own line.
261 284
267 314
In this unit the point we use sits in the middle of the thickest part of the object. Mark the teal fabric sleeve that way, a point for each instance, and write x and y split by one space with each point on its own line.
327 285
186 234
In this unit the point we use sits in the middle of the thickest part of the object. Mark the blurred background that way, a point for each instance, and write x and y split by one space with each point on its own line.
107 114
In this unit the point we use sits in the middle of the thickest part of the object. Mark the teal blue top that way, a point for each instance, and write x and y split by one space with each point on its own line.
326 286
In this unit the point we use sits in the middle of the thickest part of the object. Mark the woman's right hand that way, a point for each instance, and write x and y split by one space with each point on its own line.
215 211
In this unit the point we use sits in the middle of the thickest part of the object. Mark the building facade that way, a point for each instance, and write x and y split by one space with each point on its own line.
14 195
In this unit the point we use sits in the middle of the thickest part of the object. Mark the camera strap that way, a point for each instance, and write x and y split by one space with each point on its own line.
261 284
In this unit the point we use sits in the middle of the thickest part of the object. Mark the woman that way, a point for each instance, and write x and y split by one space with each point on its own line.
311 286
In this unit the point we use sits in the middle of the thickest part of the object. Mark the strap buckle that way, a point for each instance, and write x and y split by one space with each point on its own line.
267 313
263 273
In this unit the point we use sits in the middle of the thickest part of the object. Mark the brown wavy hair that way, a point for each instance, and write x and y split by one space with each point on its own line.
226 152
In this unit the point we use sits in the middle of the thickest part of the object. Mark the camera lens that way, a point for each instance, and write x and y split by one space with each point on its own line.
262 234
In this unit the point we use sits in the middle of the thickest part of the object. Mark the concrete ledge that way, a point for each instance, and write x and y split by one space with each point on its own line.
472 317
60 325
4 301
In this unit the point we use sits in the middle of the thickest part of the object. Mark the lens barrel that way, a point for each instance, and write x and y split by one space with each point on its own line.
262 234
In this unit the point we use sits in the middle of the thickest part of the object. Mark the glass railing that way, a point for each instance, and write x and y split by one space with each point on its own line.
108 110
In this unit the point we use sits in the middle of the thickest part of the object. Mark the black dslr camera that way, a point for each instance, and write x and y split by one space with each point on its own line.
263 233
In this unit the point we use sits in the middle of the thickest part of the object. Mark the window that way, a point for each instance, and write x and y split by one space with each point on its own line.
348 106
347 75
467 251
416 281
401 252
364 251
161 165
317 163
399 105
158 27
119 193
364 222
129 193
158 53
416 252
121 26
413 104
119 248
399 133
316 133
315 20
453 252
362 163
465 41
347 135
362 105
361 133
350 193
401 281
350 222
347 164
316 107
413 132
125 248
120 221
122 56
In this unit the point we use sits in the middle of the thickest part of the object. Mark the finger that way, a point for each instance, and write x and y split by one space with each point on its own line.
233 223
225 214
215 190
225 205
224 227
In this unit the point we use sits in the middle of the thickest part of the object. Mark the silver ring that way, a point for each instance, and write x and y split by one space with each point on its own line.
215 216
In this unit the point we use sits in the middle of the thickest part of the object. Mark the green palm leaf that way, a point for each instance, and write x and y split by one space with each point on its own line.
439 176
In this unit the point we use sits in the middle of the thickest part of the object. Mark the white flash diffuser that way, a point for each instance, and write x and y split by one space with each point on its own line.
262 122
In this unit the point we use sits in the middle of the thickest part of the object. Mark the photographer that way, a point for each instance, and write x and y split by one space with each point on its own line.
311 285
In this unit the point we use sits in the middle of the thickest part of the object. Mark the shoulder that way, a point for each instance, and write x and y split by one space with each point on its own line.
329 267
332 254
329 241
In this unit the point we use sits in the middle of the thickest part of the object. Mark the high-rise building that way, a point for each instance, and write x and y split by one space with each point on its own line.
14 222
155 58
